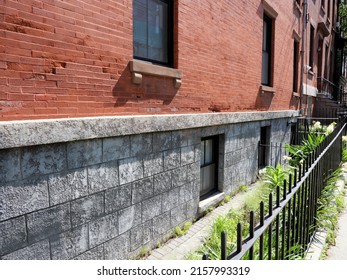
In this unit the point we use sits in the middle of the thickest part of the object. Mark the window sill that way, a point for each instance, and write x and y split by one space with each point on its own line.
267 89
296 94
212 200
138 68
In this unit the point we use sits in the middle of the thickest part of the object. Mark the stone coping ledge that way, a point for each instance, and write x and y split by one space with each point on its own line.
37 132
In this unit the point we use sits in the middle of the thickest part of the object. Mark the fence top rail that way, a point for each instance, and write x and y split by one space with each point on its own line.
249 242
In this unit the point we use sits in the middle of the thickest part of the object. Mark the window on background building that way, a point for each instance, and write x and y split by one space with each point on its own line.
295 66
267 53
310 62
209 166
153 30
326 68
264 147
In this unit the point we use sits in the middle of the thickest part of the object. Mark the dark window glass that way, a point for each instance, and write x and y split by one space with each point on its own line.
311 47
264 147
266 51
152 30
295 66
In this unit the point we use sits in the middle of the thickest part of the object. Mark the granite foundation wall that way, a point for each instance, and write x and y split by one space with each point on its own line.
107 197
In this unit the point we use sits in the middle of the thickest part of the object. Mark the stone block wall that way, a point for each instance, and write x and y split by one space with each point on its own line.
107 197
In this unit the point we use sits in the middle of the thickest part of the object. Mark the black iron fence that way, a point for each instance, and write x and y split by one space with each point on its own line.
287 227
301 128
271 154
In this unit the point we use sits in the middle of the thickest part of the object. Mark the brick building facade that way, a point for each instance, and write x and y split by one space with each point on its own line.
120 120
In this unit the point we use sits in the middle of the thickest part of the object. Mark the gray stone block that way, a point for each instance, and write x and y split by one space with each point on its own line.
84 153
179 176
235 129
170 199
186 192
69 244
142 190
86 209
102 177
192 208
96 253
141 144
193 171
37 251
117 198
67 186
65 130
118 248
161 225
151 208
212 130
130 169
187 155
10 165
116 148
178 215
129 217
103 229
140 235
47 222
17 198
162 182
182 138
41 160
13 235
172 159
153 164
233 158
162 141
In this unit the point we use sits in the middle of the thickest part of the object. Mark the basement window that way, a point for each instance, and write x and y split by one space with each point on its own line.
209 166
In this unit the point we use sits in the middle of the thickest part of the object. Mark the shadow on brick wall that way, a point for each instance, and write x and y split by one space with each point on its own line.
152 92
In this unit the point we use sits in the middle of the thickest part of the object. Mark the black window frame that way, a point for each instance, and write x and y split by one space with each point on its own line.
170 37
215 161
264 146
296 49
312 34
268 49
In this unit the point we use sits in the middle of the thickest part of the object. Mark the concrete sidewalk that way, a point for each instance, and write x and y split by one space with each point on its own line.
339 251
179 248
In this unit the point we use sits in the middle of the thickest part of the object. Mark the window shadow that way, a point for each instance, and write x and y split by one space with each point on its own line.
153 91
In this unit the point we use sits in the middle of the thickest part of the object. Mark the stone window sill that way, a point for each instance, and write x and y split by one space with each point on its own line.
138 68
296 94
212 200
267 89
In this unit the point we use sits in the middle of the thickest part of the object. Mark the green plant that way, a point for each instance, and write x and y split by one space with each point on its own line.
298 153
209 209
144 252
243 188
275 176
225 200
182 231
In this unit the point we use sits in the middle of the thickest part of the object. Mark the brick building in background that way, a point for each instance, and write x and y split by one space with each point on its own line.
120 120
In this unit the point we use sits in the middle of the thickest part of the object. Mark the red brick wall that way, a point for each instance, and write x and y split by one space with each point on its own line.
70 59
